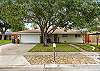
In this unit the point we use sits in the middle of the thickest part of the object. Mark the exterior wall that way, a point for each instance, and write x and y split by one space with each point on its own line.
94 38
71 39
30 38
87 40
35 38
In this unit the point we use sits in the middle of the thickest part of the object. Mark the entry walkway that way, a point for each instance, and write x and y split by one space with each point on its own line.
77 48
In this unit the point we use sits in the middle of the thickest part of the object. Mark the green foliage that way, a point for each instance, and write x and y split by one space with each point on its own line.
81 14
13 13
3 42
3 25
46 13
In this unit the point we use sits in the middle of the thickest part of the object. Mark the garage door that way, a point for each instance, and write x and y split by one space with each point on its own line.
26 38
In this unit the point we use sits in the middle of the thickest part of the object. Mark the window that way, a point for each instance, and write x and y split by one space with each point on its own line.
77 35
64 35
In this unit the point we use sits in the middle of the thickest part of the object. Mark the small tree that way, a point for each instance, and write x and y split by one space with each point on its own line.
13 13
3 27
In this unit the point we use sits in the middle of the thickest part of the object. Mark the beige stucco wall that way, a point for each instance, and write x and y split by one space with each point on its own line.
71 38
35 38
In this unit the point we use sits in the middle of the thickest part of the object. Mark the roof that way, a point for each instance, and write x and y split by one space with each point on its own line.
94 33
8 33
57 31
62 31
13 33
31 31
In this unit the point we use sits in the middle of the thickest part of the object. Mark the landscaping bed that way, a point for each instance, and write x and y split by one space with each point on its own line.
59 48
3 42
66 58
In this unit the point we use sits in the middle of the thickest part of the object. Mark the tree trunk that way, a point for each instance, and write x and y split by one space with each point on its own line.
42 37
45 39
97 39
3 36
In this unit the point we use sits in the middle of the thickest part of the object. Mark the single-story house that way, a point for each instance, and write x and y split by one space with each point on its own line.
7 35
59 36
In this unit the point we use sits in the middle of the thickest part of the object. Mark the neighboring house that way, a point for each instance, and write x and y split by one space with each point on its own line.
7 36
59 36
92 37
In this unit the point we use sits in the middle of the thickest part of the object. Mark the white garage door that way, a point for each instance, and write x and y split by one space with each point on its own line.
27 38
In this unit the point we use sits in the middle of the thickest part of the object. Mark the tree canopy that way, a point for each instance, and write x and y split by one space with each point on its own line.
3 26
12 13
63 13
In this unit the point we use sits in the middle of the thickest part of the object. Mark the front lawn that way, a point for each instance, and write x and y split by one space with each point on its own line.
60 48
2 42
88 47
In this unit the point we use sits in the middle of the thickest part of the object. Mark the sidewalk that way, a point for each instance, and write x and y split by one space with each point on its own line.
53 67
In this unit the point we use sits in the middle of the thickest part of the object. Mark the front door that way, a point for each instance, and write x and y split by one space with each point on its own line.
56 38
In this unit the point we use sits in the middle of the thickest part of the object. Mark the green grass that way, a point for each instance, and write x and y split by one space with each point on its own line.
60 48
97 47
2 42
88 47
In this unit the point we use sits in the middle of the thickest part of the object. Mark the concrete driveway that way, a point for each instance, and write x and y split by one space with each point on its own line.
15 48
12 54
6 60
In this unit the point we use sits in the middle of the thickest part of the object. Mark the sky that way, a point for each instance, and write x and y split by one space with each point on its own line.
28 25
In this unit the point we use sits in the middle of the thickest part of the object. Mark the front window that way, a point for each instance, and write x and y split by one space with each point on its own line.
77 35
64 35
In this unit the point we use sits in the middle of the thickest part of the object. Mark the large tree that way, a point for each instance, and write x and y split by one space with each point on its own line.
59 13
